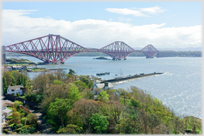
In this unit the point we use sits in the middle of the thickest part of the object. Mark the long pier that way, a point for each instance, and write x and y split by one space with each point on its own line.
130 77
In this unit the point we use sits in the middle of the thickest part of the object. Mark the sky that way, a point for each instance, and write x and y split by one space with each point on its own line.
97 24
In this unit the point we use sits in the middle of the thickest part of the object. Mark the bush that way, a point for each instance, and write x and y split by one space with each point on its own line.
21 111
24 131
19 125
24 120
5 131
31 129
15 127
17 104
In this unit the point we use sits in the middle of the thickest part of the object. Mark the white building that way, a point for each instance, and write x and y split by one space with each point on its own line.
102 86
5 112
15 89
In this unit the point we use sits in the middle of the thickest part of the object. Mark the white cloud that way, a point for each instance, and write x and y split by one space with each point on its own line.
152 10
137 12
125 11
18 27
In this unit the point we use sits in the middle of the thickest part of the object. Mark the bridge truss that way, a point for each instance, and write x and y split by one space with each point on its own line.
50 48
57 49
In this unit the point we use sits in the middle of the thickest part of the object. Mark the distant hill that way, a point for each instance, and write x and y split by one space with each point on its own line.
181 49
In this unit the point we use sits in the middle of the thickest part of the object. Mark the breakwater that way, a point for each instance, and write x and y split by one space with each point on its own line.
117 79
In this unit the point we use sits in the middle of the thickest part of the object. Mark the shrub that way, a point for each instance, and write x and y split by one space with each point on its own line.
17 104
31 129
31 118
24 131
24 120
19 125
5 131
21 111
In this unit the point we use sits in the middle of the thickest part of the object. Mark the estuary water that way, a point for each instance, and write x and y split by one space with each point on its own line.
179 87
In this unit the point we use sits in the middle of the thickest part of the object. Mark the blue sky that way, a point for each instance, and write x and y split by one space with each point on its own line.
83 22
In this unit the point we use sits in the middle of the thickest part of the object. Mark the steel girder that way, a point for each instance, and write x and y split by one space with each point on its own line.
117 50
57 49
150 51
50 48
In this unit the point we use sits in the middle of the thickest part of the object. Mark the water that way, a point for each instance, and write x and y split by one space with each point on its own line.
179 87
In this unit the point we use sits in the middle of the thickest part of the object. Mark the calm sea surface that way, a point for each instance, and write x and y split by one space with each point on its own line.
179 87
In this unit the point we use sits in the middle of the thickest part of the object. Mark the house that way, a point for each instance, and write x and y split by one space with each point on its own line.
5 112
16 67
101 86
16 89
8 68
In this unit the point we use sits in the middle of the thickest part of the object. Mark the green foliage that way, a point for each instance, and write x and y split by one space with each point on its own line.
34 97
86 80
27 130
19 125
17 104
31 118
124 96
88 94
57 110
5 86
16 78
24 120
70 129
71 72
99 122
81 85
135 103
103 96
73 92
17 95
58 82
40 83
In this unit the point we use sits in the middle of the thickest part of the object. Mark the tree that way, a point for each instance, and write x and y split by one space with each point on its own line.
99 122
57 112
135 103
17 104
86 80
32 118
16 117
5 86
88 94
81 85
40 83
124 95
71 72
8 76
103 96
81 113
73 92
58 82
53 92
70 129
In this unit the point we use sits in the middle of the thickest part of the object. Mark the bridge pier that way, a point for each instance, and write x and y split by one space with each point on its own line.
149 57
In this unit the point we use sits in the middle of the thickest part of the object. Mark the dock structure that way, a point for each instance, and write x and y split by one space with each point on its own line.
130 77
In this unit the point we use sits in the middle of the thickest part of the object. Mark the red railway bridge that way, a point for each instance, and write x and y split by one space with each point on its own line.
57 49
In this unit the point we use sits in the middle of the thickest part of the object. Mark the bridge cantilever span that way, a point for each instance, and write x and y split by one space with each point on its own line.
50 48
117 50
57 49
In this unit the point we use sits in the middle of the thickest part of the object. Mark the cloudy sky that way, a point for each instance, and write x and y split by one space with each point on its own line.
96 24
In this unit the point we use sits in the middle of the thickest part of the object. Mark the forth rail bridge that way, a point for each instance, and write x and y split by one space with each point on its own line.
57 49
